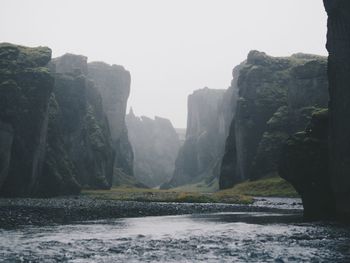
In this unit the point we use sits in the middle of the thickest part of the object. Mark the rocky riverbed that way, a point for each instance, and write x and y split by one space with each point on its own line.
65 210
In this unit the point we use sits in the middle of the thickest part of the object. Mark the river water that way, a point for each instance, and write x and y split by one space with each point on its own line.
217 237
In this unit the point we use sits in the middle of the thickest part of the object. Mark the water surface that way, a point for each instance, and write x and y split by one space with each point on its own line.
219 237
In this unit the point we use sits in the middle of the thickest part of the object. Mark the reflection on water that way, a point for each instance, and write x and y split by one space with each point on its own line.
223 237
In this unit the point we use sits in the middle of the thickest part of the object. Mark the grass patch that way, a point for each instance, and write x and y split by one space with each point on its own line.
240 194
269 187
154 195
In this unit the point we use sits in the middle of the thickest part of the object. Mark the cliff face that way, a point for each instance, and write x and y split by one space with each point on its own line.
304 163
205 136
113 82
155 144
79 147
317 161
276 98
25 88
338 45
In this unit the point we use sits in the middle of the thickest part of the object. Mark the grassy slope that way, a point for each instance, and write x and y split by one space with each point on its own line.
240 194
271 186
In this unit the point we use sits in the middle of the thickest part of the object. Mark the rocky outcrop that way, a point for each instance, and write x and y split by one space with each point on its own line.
25 88
304 163
155 145
113 83
276 99
79 146
338 45
205 136
317 161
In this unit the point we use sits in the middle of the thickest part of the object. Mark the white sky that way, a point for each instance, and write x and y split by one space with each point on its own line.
171 47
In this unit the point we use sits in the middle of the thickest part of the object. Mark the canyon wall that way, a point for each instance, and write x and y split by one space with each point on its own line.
317 161
155 145
55 135
277 96
338 45
25 88
79 146
113 83
205 137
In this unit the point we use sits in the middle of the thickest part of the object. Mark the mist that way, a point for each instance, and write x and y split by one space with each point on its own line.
171 48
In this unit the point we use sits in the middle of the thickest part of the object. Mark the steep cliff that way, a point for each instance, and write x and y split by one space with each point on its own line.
205 136
276 98
79 148
304 163
113 82
155 144
25 88
338 45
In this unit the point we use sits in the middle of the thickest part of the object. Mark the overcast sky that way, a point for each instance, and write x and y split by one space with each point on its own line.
171 47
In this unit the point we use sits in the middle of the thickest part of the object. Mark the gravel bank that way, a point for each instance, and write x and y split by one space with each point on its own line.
24 211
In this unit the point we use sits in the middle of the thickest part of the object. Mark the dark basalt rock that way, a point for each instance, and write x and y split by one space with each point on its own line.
79 149
155 144
304 163
25 88
338 45
276 98
113 83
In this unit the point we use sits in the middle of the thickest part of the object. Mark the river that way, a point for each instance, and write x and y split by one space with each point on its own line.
212 237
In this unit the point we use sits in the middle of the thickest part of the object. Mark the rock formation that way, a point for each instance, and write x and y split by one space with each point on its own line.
79 147
155 145
276 99
205 137
338 45
54 133
317 161
113 82
304 163
25 88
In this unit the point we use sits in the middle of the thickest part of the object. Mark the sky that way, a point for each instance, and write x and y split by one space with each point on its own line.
170 47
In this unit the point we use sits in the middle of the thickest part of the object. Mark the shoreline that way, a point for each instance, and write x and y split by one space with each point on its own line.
19 212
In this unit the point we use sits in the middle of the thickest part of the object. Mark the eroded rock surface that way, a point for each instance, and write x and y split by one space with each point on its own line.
79 147
113 83
277 96
25 88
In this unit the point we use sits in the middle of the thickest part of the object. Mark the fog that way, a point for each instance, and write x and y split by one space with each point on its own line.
171 47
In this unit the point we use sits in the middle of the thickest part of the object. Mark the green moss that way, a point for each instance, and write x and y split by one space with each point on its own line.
35 57
93 128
